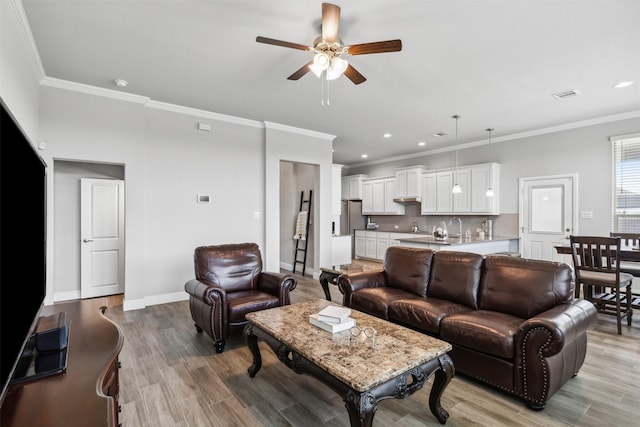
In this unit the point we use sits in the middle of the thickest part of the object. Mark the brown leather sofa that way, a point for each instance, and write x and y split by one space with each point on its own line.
229 284
513 322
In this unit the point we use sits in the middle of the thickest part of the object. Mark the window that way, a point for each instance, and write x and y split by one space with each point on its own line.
626 183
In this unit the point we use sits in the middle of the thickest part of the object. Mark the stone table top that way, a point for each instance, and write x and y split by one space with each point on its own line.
361 367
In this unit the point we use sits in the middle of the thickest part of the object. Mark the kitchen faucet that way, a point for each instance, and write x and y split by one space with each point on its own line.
459 225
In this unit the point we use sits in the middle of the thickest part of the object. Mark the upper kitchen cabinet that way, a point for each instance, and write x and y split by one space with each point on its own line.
437 197
378 195
352 187
409 182
336 189
483 177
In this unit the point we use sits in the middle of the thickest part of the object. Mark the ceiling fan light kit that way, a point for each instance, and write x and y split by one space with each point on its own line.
328 49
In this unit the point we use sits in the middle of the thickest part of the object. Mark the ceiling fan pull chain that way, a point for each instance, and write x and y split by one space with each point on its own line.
328 100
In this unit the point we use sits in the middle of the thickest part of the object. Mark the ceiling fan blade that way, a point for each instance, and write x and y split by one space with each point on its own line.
267 40
330 22
354 75
375 47
301 72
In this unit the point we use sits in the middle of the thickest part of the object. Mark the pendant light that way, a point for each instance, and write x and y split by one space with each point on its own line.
456 188
489 192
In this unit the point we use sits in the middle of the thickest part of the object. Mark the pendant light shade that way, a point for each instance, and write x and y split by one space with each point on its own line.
456 187
489 192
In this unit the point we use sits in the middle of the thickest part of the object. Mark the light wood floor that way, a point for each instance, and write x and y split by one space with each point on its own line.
172 376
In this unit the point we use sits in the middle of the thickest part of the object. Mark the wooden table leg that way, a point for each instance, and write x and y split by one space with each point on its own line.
252 342
441 380
324 282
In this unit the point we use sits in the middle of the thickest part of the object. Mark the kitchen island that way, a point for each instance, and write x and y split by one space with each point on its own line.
372 244
482 246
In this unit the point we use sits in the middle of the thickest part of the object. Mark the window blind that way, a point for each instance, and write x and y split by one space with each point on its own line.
626 183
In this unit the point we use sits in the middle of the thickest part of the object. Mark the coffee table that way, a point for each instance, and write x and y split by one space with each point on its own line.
399 365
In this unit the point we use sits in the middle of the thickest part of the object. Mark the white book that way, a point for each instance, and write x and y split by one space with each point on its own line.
332 327
334 314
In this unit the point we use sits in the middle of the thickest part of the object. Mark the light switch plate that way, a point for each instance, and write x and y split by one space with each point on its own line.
586 215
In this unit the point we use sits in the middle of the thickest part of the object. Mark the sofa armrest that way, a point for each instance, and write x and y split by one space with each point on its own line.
551 347
205 291
350 283
277 284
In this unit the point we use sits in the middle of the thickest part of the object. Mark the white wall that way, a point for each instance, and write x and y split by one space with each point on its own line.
285 143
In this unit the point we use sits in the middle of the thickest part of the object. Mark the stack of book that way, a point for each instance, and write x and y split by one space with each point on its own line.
333 319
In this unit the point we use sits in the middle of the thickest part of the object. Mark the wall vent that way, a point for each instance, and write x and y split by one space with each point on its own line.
566 94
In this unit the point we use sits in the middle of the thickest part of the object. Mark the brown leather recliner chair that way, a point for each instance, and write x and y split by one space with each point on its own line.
229 284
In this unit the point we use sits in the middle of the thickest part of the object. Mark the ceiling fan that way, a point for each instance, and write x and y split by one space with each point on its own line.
329 50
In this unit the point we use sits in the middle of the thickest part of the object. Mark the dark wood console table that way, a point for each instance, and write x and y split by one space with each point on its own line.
86 394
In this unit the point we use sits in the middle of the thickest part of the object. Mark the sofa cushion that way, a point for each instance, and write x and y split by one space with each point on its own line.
408 268
455 276
485 331
523 287
375 301
243 302
423 314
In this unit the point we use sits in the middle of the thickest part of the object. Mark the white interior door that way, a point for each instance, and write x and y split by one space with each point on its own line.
102 234
546 215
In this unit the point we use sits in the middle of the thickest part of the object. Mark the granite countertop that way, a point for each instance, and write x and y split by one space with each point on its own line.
452 241
397 350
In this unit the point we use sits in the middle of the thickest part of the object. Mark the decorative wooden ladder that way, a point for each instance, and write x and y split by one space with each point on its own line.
301 245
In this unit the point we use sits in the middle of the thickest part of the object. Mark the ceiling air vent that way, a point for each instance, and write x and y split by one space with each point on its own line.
440 134
566 94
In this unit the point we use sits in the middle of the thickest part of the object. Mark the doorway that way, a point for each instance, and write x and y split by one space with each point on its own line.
547 215
67 240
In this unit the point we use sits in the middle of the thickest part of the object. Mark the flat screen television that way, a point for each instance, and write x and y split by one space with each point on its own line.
22 242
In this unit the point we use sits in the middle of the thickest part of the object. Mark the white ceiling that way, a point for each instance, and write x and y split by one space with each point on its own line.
495 63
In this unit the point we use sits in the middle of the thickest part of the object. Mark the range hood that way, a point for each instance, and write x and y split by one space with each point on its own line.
407 200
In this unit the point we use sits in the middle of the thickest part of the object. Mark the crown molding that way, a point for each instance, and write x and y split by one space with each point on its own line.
292 129
203 113
16 10
93 90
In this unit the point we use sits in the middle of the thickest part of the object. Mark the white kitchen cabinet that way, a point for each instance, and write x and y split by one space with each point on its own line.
352 187
462 201
377 197
444 197
429 194
360 244
409 181
371 244
382 243
483 177
437 197
336 189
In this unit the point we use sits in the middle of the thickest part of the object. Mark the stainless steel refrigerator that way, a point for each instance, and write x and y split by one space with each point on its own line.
351 219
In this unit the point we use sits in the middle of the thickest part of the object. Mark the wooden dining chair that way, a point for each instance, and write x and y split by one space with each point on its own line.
596 262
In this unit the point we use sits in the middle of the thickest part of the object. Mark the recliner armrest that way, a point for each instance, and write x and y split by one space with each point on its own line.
277 284
350 283
204 291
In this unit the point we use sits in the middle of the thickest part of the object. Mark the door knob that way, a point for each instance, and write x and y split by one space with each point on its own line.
87 240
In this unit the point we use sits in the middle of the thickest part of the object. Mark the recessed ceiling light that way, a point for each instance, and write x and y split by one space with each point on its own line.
387 135
421 143
620 85
121 82
364 156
